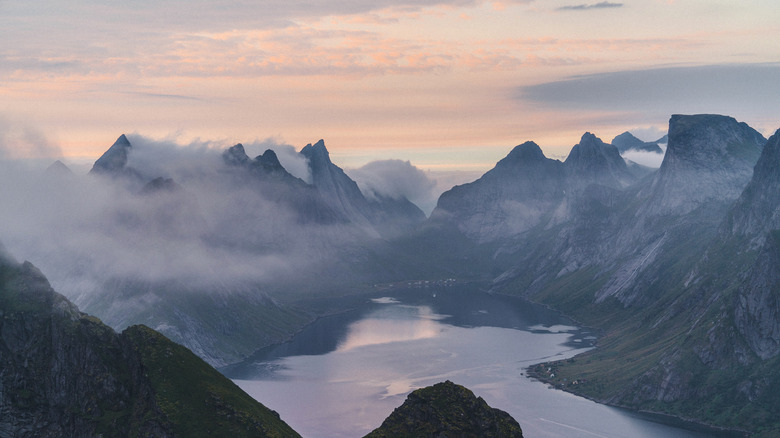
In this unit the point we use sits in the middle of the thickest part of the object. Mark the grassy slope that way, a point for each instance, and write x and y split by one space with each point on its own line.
682 329
198 400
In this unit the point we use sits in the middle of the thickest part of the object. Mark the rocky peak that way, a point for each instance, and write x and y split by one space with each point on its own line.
526 153
593 161
709 158
446 409
235 155
114 159
269 159
509 199
58 168
627 141
317 154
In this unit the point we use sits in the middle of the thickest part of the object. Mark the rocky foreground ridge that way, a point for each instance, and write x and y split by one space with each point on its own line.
447 410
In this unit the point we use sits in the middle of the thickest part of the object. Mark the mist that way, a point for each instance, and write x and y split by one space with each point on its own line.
211 227
645 158
396 179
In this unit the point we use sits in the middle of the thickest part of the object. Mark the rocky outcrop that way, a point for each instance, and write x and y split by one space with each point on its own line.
447 410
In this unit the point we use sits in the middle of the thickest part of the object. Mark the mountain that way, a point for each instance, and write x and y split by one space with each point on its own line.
513 197
757 211
64 373
382 216
628 142
592 161
680 272
446 409
708 158
113 163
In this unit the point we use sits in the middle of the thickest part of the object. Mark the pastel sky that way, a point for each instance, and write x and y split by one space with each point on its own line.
447 84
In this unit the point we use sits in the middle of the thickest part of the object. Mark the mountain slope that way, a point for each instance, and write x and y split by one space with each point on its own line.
513 197
706 346
64 373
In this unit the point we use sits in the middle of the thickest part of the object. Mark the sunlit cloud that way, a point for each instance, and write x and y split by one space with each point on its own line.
746 91
587 6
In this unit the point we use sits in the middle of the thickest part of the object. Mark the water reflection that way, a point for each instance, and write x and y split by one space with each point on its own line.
344 374
397 324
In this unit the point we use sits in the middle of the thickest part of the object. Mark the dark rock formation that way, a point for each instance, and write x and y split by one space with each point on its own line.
447 410
64 373
113 163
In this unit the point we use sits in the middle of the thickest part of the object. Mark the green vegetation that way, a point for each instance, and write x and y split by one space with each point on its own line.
447 410
198 400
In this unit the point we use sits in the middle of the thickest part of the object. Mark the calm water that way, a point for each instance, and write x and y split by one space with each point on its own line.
344 374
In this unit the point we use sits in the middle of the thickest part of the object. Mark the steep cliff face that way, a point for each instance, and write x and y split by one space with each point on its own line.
757 211
447 410
709 158
757 307
64 373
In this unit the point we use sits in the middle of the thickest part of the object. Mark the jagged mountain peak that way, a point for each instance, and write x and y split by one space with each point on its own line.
593 161
269 159
235 155
317 153
627 141
115 158
58 168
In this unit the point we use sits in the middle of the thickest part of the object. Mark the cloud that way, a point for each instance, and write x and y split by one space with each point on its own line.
291 160
220 228
395 179
746 91
19 140
649 159
582 7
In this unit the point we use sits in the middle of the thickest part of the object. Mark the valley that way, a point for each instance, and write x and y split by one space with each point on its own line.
676 268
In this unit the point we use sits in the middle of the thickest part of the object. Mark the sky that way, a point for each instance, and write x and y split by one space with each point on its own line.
449 85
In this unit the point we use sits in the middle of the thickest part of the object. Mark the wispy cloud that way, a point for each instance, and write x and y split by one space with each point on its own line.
746 91
586 6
